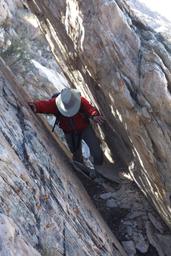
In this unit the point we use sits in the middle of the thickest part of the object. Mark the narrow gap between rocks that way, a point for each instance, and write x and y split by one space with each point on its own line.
126 211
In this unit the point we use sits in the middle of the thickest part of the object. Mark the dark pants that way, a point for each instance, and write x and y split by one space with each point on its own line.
88 135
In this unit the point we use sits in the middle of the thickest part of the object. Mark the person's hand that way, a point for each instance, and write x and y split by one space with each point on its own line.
32 106
98 119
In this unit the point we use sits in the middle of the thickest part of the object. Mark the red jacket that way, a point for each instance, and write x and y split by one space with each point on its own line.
77 122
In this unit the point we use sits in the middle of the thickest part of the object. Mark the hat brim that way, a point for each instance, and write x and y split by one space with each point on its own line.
72 110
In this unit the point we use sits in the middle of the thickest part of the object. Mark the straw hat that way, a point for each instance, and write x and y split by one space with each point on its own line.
68 102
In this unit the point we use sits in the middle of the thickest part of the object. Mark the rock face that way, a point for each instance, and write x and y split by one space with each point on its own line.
51 209
11 240
114 57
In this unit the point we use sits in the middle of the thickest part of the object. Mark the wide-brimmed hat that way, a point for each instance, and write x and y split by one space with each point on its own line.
68 102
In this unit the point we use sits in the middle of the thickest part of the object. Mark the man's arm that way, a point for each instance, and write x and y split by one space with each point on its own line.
91 111
44 106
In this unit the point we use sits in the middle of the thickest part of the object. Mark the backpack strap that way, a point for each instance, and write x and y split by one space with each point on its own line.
55 95
86 116
55 123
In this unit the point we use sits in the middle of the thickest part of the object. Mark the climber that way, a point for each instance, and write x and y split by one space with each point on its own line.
73 113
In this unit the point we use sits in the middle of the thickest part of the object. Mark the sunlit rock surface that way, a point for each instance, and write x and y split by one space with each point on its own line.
106 50
38 191
154 15
26 51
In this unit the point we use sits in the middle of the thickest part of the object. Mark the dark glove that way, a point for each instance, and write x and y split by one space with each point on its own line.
32 106
98 119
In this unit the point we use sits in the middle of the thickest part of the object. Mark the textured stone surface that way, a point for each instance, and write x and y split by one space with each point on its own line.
4 11
129 247
165 242
38 190
26 51
106 51
11 240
